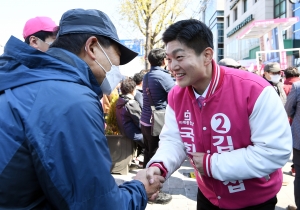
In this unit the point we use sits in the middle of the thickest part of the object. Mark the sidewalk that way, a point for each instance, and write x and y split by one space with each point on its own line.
184 189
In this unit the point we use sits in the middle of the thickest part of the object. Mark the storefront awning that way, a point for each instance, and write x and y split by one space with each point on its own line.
258 28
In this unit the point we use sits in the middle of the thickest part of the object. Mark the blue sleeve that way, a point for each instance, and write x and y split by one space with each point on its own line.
139 98
291 102
72 156
167 82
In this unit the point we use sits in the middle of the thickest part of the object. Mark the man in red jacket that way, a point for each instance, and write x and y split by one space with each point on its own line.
221 118
291 76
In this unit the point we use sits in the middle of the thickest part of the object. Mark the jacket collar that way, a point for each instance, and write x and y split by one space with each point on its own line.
21 64
73 60
216 79
155 68
129 96
291 80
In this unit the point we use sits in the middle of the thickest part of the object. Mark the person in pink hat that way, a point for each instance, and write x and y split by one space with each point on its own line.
40 32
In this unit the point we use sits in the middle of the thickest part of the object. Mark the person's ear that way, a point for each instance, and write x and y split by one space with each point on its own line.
208 54
33 42
90 47
164 62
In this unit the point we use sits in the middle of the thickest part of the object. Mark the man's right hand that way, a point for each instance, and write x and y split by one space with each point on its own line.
153 188
151 171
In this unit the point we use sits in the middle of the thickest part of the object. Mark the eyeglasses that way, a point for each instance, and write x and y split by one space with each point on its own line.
275 72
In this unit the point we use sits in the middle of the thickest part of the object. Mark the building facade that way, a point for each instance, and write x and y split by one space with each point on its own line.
239 14
296 34
212 14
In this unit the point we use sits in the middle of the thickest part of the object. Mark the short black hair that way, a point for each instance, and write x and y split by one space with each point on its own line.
156 57
127 86
291 72
138 78
192 33
75 42
43 35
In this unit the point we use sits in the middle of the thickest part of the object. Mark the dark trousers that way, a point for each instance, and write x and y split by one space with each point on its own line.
139 145
296 161
204 204
150 142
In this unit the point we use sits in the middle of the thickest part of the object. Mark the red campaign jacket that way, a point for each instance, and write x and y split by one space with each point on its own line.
243 129
288 84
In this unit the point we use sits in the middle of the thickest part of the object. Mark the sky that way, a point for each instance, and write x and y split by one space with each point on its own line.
15 13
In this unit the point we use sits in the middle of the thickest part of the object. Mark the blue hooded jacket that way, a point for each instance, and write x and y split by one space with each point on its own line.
159 83
53 150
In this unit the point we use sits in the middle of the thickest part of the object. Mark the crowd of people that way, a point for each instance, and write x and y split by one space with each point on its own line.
55 92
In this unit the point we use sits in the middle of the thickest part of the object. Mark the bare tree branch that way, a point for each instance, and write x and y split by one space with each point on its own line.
151 17
161 3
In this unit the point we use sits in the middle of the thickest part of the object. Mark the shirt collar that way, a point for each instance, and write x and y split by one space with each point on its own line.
204 94
130 96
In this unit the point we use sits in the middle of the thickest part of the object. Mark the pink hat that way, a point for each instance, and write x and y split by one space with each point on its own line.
37 24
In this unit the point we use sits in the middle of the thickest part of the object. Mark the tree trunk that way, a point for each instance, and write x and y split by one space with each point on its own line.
148 42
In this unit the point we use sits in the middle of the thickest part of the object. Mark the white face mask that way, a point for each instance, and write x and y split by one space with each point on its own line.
275 78
112 77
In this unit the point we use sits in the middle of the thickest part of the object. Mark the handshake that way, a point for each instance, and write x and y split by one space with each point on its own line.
152 180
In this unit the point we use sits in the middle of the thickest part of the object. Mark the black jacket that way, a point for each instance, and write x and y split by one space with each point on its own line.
128 113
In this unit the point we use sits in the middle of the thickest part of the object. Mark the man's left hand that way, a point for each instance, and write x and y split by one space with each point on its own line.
198 161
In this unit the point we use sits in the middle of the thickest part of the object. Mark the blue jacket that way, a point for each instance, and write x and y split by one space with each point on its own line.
139 97
292 108
53 151
160 83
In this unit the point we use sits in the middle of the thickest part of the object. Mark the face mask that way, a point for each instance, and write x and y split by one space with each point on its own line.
112 77
48 43
275 78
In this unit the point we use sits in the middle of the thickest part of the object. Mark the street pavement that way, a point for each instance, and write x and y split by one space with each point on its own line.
184 189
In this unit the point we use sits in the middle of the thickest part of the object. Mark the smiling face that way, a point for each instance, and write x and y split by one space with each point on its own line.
188 68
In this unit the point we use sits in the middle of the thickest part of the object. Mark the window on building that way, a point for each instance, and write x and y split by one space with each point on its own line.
245 6
296 12
220 54
235 14
280 12
279 8
220 27
228 21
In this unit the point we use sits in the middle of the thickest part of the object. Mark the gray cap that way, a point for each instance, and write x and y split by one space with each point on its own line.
272 67
229 62
95 22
